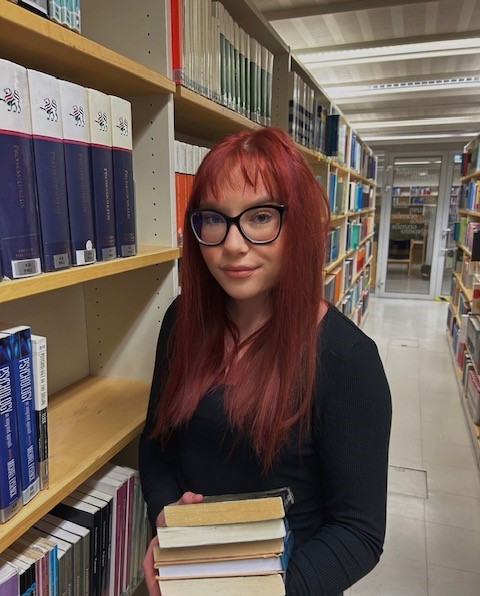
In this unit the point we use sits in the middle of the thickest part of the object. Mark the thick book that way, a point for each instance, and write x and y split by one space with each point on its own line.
272 585
39 365
10 483
9 583
100 126
50 170
25 410
19 227
26 572
234 508
76 146
176 536
123 180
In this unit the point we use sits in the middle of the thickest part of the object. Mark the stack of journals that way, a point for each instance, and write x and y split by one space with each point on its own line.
229 544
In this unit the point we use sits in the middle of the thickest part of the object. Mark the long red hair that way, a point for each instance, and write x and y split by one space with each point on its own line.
268 390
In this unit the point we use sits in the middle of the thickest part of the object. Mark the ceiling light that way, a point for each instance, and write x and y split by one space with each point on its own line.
414 163
404 87
420 122
427 136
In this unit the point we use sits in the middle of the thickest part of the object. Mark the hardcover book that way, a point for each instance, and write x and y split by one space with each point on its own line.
76 136
39 365
50 170
100 125
229 509
25 410
19 227
123 177
10 490
9 584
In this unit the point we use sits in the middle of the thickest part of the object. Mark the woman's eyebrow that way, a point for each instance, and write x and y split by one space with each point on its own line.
218 205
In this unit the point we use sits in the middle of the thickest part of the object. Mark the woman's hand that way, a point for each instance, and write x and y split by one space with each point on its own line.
148 568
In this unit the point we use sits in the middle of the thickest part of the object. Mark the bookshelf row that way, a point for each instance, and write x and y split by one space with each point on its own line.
102 321
463 321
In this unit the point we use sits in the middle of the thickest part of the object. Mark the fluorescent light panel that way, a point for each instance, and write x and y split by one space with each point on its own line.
405 87
419 122
425 136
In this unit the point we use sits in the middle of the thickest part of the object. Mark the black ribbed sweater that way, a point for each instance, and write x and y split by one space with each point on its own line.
338 476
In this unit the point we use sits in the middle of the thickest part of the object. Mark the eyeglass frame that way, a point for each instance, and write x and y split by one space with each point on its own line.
236 220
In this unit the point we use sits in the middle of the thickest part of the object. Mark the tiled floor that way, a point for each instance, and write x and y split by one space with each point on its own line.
432 546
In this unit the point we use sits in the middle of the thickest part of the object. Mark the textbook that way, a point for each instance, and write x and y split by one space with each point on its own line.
39 365
123 176
228 509
19 227
25 410
50 170
100 123
76 146
10 491
226 586
176 536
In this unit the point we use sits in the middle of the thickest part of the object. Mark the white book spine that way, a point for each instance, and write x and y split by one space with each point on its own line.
39 364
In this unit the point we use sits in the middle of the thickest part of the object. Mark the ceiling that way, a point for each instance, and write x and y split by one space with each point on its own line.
401 71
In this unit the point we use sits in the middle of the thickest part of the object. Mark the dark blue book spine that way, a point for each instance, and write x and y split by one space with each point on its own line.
10 501
103 204
124 203
19 230
24 399
52 202
79 191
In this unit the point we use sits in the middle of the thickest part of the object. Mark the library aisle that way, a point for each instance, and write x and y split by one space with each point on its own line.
433 533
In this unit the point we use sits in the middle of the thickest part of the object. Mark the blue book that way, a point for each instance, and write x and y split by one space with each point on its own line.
25 410
50 170
76 146
19 229
99 120
123 177
10 491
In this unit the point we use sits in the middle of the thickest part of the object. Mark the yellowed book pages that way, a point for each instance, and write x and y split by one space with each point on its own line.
256 585
239 550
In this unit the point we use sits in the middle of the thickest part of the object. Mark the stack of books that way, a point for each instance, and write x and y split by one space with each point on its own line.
228 544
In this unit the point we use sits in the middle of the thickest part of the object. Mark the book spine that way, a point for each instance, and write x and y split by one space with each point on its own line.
40 6
24 393
78 171
50 170
10 501
123 177
19 230
102 174
39 364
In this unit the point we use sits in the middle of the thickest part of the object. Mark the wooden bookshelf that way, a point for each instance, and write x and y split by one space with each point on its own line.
468 293
468 177
45 282
360 212
203 118
38 43
89 422
464 248
338 217
469 213
353 173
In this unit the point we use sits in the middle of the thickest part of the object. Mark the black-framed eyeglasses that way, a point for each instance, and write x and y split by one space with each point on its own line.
258 225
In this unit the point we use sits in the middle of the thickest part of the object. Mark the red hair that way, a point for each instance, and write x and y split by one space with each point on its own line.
268 390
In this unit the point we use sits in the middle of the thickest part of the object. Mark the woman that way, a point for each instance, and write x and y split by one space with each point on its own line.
258 382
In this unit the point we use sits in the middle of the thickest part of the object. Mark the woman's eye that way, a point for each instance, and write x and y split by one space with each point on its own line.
261 217
212 219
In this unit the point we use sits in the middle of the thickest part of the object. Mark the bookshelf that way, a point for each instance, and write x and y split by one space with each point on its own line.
465 274
101 321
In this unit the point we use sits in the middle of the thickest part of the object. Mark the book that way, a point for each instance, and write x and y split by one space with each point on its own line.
26 573
64 574
39 365
40 6
45 108
9 582
35 559
10 483
234 508
226 586
76 146
176 536
50 550
99 122
25 409
122 146
19 227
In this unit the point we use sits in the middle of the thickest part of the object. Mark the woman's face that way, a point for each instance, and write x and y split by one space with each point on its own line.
246 271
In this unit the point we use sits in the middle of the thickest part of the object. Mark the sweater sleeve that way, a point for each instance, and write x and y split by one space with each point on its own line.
157 464
351 435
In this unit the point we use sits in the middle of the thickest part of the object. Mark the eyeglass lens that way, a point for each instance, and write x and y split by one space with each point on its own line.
258 224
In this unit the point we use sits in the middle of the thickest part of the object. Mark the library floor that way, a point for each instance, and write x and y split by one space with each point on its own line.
433 535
